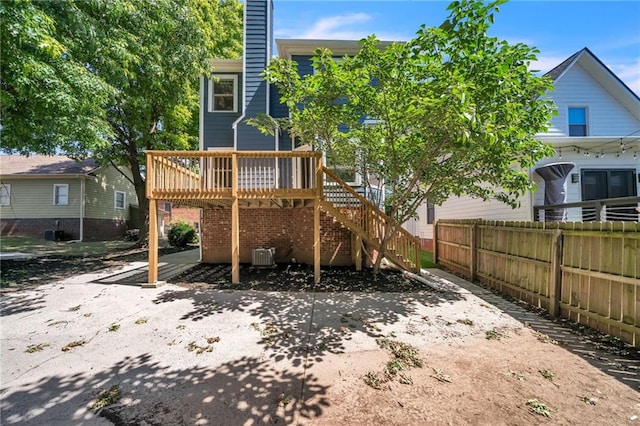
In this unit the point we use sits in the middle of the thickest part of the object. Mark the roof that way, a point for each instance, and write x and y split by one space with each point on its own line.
44 165
290 47
602 74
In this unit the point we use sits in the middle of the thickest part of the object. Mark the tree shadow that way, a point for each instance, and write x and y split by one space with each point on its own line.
244 391
19 302
303 326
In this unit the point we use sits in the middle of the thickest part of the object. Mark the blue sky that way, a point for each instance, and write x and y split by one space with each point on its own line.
610 29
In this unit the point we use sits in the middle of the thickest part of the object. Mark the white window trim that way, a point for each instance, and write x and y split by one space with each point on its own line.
586 119
55 187
115 200
212 81
7 188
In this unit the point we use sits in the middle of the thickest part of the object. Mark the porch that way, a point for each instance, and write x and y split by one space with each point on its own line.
270 179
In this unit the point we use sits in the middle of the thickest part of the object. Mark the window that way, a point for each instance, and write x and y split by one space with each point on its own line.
222 94
5 194
577 122
603 183
119 200
431 212
60 194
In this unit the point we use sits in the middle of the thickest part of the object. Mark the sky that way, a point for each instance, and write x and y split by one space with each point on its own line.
610 29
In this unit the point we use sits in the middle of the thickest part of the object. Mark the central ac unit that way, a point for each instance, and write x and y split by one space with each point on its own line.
263 257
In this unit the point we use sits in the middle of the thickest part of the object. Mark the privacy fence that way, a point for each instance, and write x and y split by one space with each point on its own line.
586 272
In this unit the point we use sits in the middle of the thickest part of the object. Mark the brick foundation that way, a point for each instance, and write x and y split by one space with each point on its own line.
426 244
290 231
94 229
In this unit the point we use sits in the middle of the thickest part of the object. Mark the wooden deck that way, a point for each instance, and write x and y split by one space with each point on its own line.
265 179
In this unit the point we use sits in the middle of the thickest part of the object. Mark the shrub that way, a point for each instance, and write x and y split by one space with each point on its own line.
132 235
181 234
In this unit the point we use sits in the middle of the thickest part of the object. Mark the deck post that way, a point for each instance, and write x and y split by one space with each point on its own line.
357 241
316 218
153 244
235 222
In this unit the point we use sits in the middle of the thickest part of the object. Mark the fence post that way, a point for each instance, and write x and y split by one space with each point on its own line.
474 253
555 283
435 242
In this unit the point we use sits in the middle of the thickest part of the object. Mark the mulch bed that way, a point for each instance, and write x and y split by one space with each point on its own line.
297 277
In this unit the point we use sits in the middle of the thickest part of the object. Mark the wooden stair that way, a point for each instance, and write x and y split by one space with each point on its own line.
366 220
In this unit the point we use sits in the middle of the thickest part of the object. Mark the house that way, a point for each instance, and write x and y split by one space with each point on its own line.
79 199
261 192
597 128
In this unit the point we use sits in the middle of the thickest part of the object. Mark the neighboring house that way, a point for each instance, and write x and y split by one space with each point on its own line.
597 128
173 212
48 193
262 192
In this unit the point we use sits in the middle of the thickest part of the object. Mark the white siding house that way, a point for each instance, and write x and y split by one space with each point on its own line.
605 114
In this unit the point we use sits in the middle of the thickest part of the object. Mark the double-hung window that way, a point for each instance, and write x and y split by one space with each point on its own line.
119 198
5 194
60 194
578 121
223 93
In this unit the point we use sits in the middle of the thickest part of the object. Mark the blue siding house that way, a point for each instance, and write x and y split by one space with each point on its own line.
262 199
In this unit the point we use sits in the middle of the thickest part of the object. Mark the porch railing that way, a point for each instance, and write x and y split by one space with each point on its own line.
189 174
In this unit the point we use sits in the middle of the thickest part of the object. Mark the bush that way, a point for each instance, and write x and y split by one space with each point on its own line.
181 234
132 235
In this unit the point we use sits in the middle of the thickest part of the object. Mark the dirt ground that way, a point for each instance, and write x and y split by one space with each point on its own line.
276 350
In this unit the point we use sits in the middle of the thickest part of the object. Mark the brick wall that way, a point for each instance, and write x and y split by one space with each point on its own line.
290 231
94 229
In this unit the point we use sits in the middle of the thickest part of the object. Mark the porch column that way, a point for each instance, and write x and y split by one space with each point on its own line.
235 222
153 243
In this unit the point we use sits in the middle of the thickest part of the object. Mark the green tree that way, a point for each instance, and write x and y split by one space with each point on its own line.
451 112
110 78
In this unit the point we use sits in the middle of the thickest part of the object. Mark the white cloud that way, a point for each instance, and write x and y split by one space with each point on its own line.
628 72
340 27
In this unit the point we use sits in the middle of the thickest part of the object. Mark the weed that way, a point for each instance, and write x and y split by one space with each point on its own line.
465 321
107 397
547 374
74 308
181 327
376 380
114 327
394 367
36 348
494 334
589 400
440 376
72 345
539 408
193 347
518 376
212 340
401 351
405 379
141 321
544 338
283 400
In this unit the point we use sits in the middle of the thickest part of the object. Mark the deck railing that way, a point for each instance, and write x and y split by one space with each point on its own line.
605 209
201 174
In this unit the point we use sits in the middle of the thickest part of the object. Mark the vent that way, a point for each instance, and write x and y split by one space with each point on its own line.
263 256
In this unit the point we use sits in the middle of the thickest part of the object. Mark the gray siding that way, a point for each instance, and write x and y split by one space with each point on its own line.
218 131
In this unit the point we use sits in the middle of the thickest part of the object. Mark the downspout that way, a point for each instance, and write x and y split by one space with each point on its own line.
234 126
82 197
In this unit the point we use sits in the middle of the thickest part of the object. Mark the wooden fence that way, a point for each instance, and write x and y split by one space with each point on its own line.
586 272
